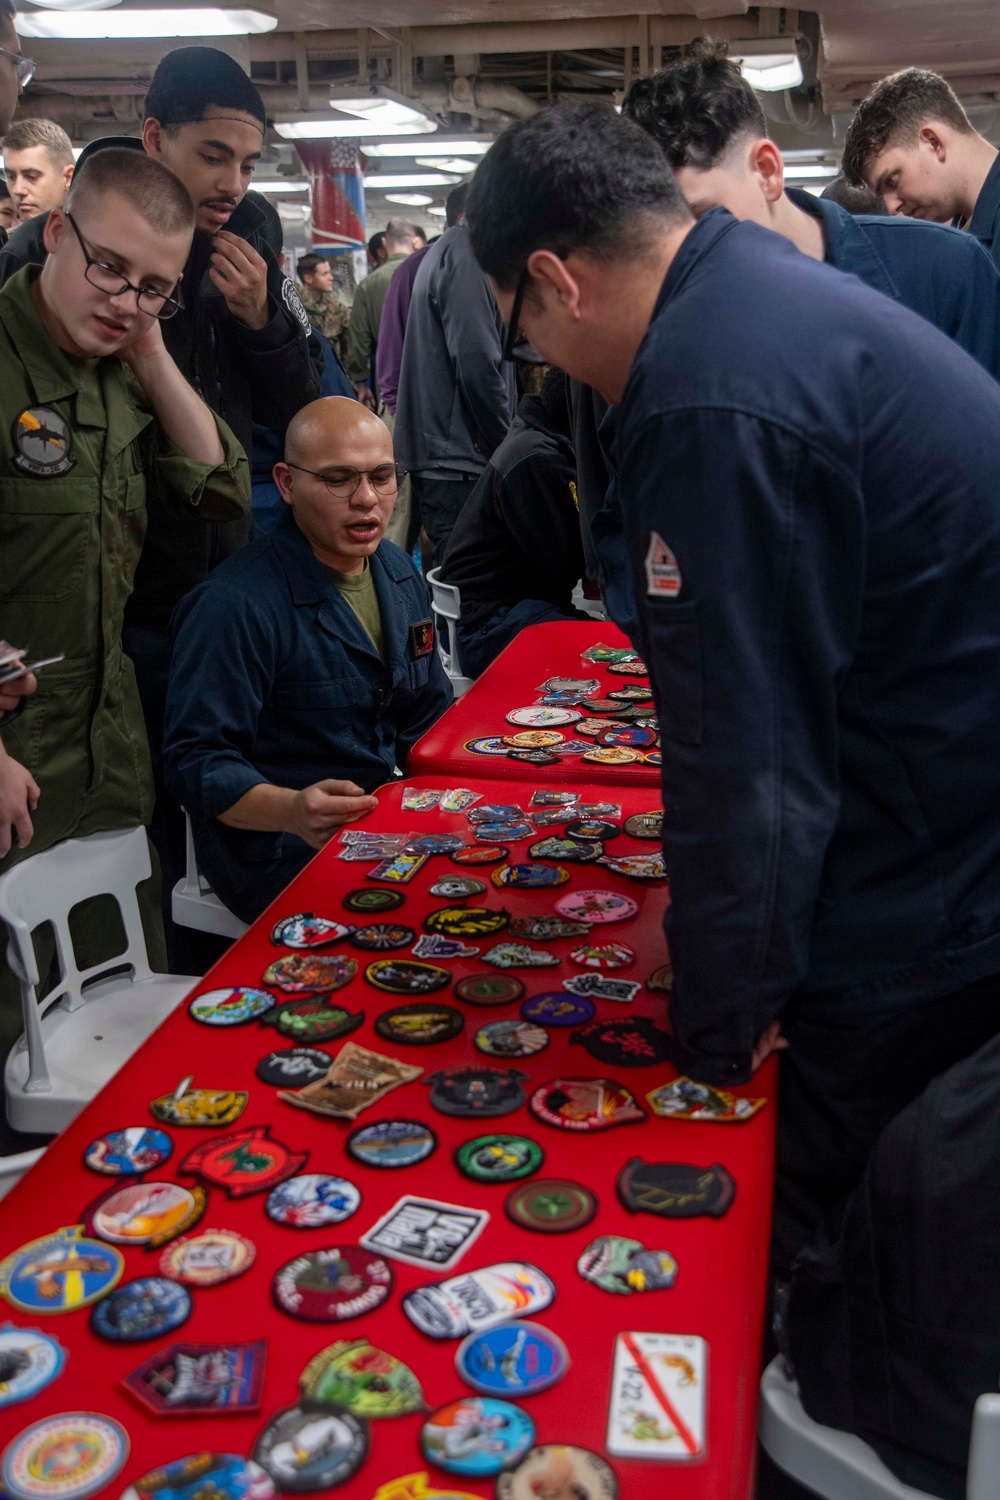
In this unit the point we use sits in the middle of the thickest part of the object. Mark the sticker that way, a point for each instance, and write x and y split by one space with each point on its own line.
663 576
402 977
511 1039
520 956
485 854
499 1158
369 1382
603 955
308 1447
141 1309
208 1258
675 1190
624 1041
459 799
434 843
551 1205
399 869
512 1359
489 744
599 810
332 1285
496 812
416 799
489 989
685 1099
144 1213
43 442
314 1020
580 686
625 1266
311 973
294 305
479 1299
422 638
477 1436
536 716
477 1091
590 829
561 700
574 850
552 817
230 1007
529 876
632 692
457 887
187 1106
424 1232
596 906
312 1201
356 1079
598 987
29 1361
662 979
557 1008
372 901
128 1152
295 1065
392 1143
382 937
585 1104
559 1471
535 739
628 668
493 833
604 654
549 797
222 1476
612 755
466 921
637 866
60 1272
246 1162
63 1457
433 945
657 1405
543 929
420 1023
200 1380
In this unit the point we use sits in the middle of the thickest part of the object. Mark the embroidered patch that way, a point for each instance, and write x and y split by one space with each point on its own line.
293 302
43 442
422 638
663 576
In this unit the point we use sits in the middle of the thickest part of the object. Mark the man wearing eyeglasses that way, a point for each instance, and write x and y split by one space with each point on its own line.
16 72
304 668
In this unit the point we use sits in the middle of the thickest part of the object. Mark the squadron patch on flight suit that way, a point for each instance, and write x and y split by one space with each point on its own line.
293 302
663 576
422 638
43 442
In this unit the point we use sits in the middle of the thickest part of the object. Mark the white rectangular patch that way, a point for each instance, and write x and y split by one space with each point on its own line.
658 1396
424 1232
663 576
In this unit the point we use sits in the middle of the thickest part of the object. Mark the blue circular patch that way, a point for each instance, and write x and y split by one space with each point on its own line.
141 1309
128 1152
392 1143
512 1359
477 1436
558 1008
29 1361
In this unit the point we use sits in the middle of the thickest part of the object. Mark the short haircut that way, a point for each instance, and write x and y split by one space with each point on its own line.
454 204
145 183
375 243
857 200
893 115
399 232
697 106
26 133
572 177
307 264
187 81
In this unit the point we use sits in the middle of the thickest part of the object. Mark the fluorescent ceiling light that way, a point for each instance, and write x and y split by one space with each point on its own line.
769 64
384 114
438 213
143 21
313 127
809 169
444 146
408 180
447 163
412 200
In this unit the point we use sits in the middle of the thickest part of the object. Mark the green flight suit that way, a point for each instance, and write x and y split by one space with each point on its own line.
366 315
78 448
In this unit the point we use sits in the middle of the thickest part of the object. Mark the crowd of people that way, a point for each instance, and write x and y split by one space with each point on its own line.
765 425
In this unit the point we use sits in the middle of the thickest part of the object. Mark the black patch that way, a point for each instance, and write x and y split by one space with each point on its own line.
477 1091
422 638
627 1041
420 1023
675 1190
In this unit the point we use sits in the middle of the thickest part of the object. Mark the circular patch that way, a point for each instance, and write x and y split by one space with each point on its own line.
559 1470
596 906
488 744
653 758
517 1358
628 668
29 1361
558 1008
310 973
392 1143
661 979
43 442
457 887
577 851
314 1020
141 1309
333 1285
63 1457
591 728
624 1041
612 755
534 739
143 1211
589 829
381 937
499 1158
370 900
294 1067
208 1258
551 1205
402 976
489 989
634 738
585 1104
466 921
312 1446
419 1024
647 825
536 716
312 1200
230 1007
214 1476
603 955
128 1152
529 876
305 930
479 854
511 1039
476 1436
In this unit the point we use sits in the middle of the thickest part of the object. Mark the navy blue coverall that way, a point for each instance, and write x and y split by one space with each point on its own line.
985 221
274 679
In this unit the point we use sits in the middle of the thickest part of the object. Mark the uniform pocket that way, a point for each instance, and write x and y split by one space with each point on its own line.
676 664
45 528
320 696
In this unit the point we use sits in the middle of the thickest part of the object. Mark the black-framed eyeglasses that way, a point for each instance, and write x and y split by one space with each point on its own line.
513 331
24 67
345 482
107 279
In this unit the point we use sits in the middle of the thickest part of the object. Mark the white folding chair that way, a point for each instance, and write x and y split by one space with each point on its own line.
90 1024
193 903
839 1466
446 602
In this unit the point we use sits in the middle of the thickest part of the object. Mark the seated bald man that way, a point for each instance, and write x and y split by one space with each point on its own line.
303 668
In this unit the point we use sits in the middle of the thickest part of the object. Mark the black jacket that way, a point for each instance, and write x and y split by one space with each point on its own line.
244 375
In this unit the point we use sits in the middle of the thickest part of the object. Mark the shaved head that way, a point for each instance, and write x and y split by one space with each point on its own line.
318 433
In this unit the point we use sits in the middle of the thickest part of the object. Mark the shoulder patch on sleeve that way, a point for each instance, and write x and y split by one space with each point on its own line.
293 302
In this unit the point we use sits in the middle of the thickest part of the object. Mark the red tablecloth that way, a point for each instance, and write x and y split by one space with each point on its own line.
510 682
719 1292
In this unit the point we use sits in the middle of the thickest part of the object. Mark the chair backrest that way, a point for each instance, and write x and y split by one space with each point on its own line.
446 602
984 1449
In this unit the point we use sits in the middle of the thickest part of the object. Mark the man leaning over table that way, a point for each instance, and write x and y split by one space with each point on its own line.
304 668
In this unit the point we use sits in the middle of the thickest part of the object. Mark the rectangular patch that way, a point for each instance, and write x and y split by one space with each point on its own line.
422 638
658 1397
423 1232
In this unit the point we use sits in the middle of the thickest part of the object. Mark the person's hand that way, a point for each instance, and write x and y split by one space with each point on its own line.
771 1041
12 692
241 276
19 794
319 810
147 345
366 396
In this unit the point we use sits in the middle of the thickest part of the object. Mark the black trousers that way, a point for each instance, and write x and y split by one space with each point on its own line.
438 502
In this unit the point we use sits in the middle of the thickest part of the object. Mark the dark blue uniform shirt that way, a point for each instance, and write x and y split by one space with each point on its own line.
274 679
823 467
985 221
